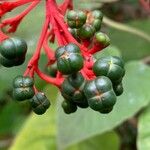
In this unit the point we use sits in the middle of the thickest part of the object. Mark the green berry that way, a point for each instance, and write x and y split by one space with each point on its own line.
6 62
39 103
100 94
118 89
76 19
74 33
23 88
106 110
52 70
68 107
69 59
13 47
111 66
87 31
72 89
95 19
102 38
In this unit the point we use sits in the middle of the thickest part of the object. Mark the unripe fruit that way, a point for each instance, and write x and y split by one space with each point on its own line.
95 19
23 88
13 47
72 89
102 39
118 89
76 19
39 103
52 70
100 94
111 66
87 31
6 62
69 59
68 107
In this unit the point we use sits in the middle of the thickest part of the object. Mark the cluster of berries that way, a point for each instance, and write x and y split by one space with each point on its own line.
99 93
83 81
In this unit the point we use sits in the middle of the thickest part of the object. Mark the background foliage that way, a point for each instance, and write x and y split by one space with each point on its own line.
84 130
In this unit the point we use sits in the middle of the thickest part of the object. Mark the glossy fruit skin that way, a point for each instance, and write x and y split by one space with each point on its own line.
69 59
40 103
69 107
87 31
52 70
74 33
118 89
23 88
12 52
100 94
111 66
72 89
13 47
102 38
76 19
6 62
97 19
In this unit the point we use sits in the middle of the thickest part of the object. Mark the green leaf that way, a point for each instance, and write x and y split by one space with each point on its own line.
109 51
86 123
131 46
144 130
106 141
39 132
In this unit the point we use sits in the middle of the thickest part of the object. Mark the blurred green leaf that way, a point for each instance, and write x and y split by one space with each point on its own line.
143 142
131 46
105 141
109 51
86 123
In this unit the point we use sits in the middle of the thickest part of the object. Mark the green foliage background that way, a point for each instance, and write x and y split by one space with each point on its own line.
84 130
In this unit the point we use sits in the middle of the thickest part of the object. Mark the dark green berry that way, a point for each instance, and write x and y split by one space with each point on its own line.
97 14
106 110
87 31
52 70
69 59
40 103
102 38
118 89
23 88
13 47
111 66
95 19
6 62
76 19
74 33
100 94
72 89
68 107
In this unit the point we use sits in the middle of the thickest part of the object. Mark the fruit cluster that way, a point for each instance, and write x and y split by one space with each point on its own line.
83 81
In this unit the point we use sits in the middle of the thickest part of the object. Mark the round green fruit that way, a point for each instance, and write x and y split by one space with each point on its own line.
39 103
86 32
23 88
6 62
13 47
76 19
68 107
69 59
118 89
100 94
111 66
96 19
52 70
102 38
72 89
